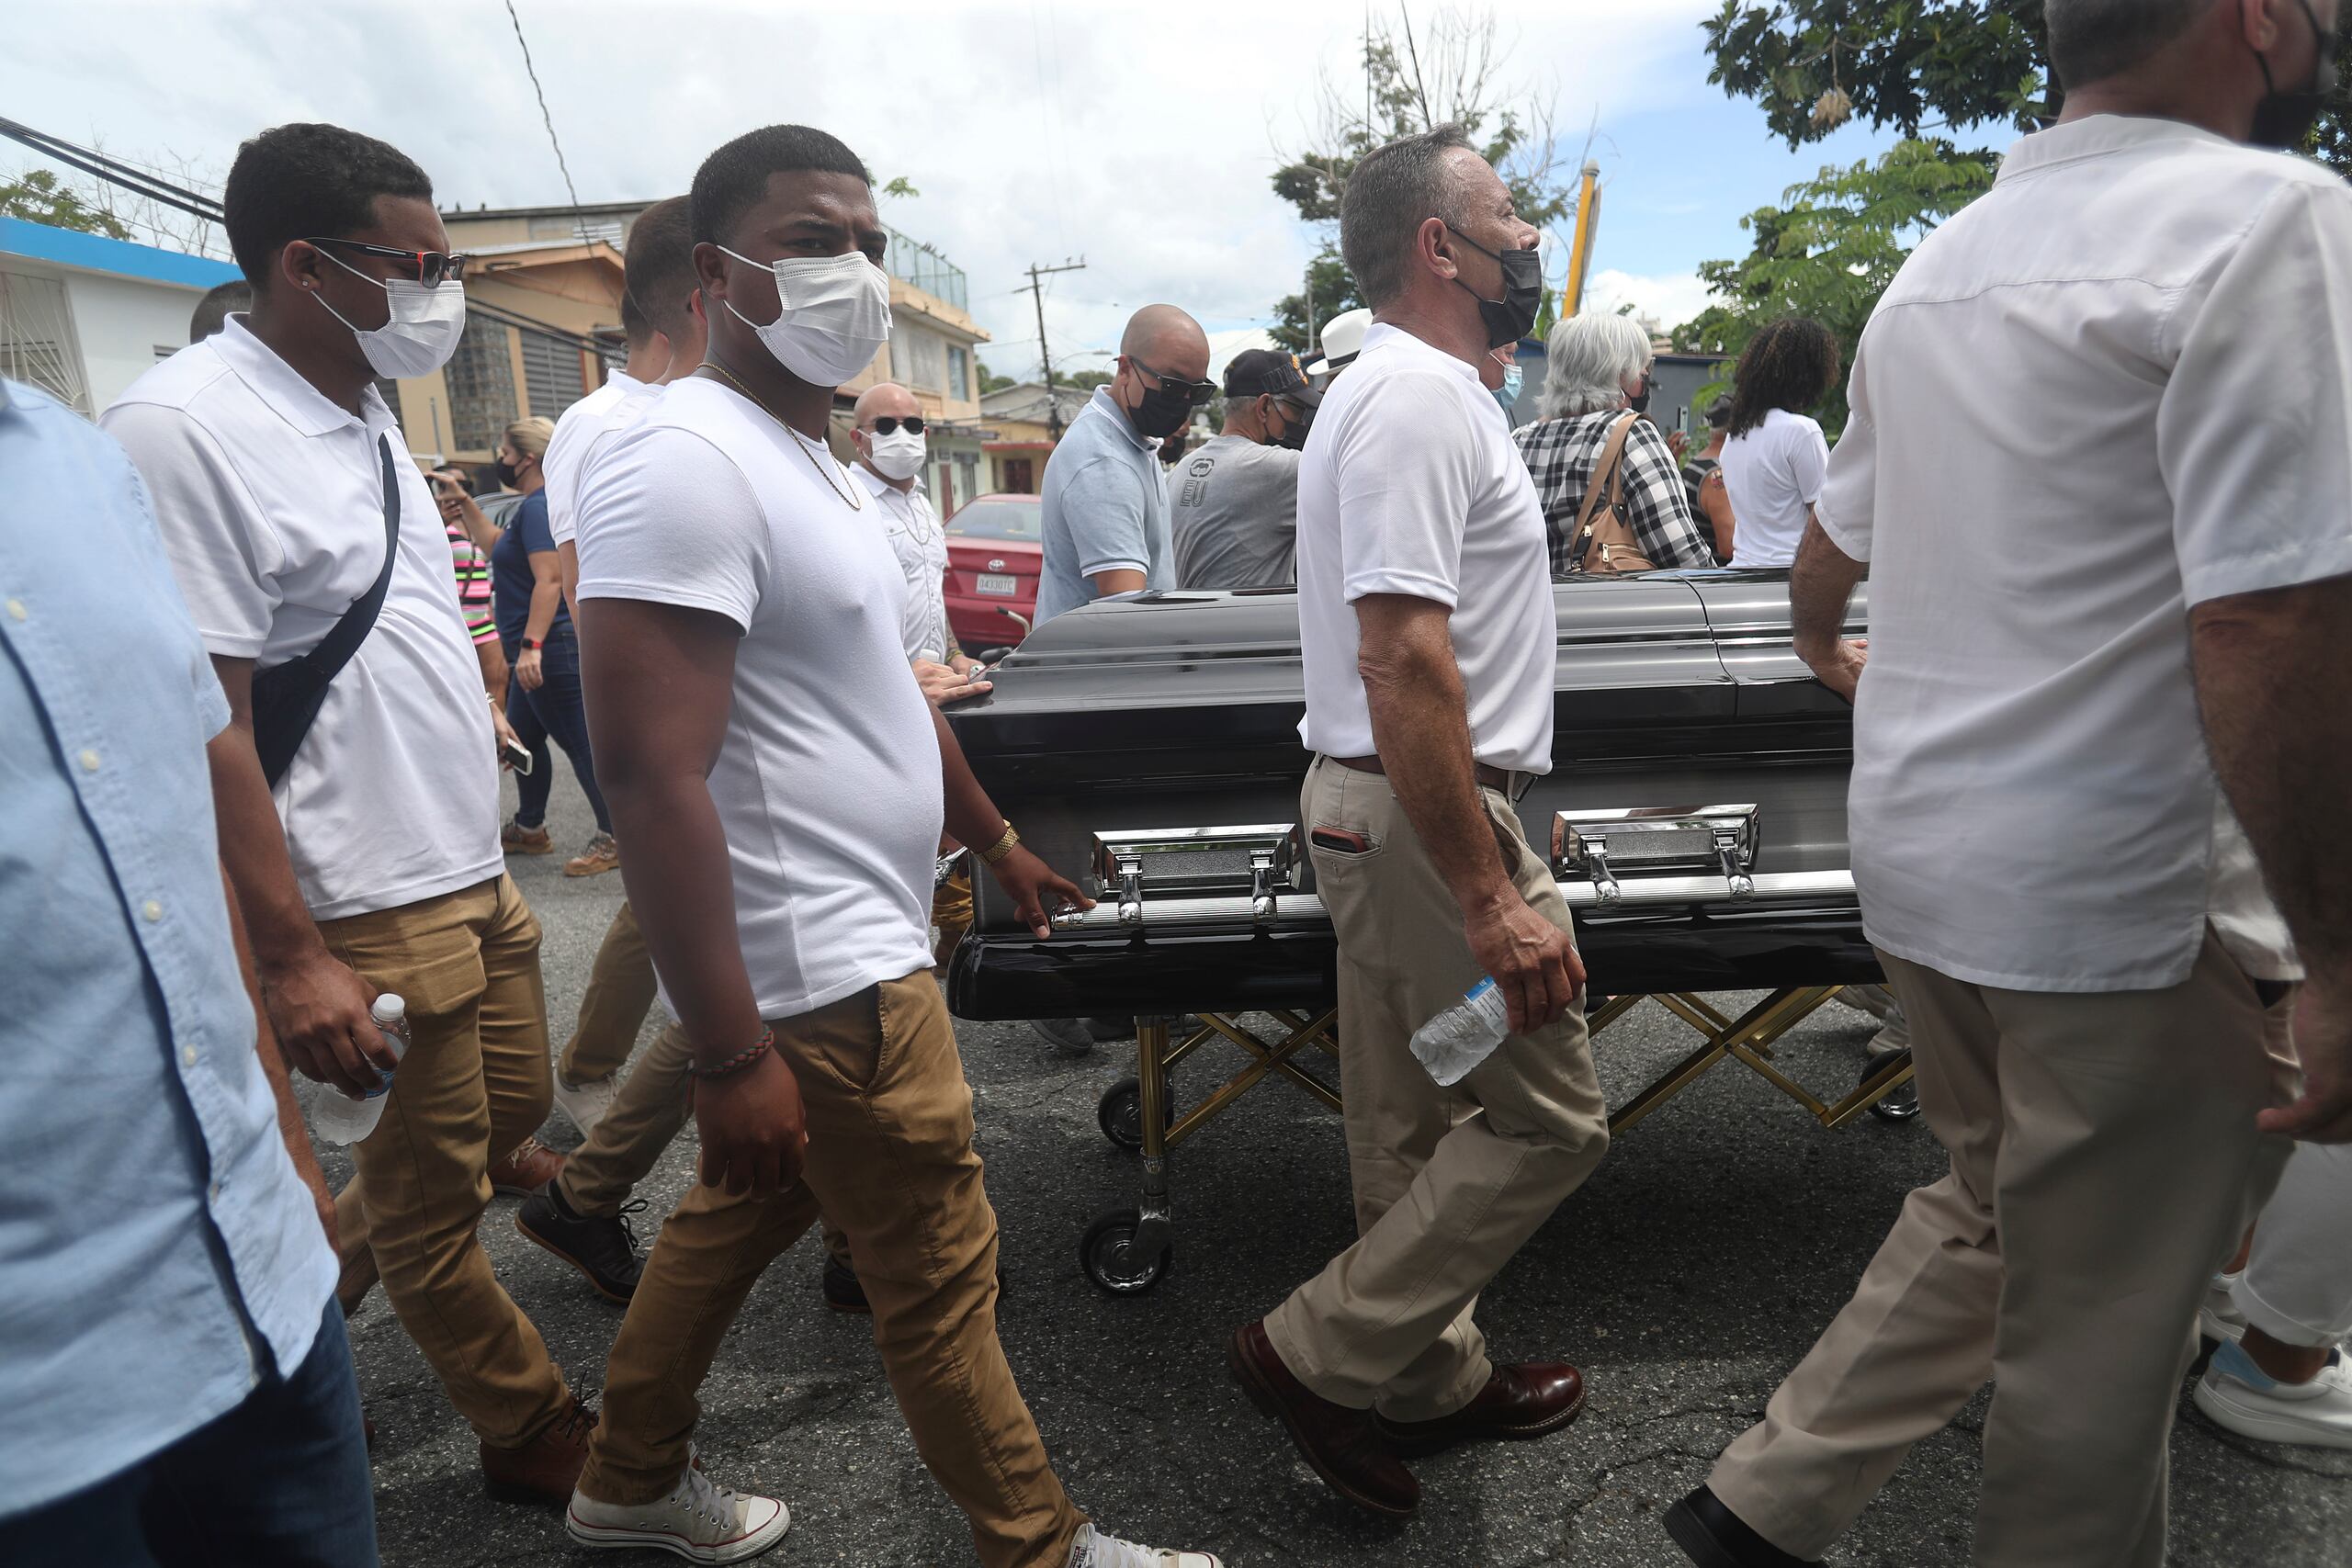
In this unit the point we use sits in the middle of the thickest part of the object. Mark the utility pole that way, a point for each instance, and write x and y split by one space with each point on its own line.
1044 357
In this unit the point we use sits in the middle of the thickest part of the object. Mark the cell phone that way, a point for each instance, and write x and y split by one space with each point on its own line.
1346 841
516 755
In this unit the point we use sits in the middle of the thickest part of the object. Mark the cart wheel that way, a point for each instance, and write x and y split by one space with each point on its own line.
1105 1252
1120 1114
1901 1104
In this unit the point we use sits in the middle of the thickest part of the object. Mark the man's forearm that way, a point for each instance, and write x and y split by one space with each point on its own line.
253 848
681 888
1820 586
2275 690
972 818
1421 726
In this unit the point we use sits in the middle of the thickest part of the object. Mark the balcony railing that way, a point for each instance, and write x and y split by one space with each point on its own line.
911 261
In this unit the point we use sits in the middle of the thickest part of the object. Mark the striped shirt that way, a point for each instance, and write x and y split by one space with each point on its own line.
473 583
1561 454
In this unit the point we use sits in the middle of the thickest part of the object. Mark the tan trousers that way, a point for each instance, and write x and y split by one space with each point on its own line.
1449 1182
2104 1162
467 965
620 993
891 1159
653 1103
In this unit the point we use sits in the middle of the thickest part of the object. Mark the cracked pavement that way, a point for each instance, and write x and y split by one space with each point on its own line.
1692 1271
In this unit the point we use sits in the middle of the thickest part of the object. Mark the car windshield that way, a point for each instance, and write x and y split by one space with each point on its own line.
1020 517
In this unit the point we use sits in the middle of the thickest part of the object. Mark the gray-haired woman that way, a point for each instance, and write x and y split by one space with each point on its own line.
1597 369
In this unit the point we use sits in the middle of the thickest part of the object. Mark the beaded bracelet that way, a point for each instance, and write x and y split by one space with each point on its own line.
740 1059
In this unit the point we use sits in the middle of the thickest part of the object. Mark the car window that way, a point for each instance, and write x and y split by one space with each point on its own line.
990 518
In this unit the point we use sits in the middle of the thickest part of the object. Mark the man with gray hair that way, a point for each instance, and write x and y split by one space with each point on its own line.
1427 629
1104 498
2096 470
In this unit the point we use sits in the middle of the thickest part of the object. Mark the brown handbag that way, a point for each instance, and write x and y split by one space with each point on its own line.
1605 542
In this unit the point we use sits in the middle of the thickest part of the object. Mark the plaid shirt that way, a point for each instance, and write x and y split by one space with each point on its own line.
1561 454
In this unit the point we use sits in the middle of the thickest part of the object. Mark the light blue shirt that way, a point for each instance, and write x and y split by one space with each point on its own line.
1105 509
156 1247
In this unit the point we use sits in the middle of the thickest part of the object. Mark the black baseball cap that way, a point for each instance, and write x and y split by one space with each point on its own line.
1254 372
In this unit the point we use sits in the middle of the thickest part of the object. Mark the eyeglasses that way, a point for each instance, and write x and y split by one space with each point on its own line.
1198 392
890 425
429 267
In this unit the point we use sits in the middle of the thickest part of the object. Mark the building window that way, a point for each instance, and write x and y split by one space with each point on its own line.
37 339
550 374
959 370
480 379
967 474
917 359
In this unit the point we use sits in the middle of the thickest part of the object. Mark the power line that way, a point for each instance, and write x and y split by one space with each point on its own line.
113 170
1037 274
548 121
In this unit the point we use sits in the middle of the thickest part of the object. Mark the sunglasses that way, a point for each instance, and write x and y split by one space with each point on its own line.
890 425
429 267
1198 392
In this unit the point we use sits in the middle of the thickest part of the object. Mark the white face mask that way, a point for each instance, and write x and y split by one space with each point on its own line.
836 315
422 332
900 455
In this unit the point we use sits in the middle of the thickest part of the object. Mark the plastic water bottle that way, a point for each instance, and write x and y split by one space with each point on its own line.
340 1119
1453 1043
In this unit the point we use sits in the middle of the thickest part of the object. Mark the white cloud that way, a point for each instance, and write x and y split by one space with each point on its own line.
1665 300
1139 138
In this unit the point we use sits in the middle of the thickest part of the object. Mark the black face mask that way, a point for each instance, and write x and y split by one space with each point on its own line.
1294 435
2284 119
1511 317
1161 413
1640 401
507 477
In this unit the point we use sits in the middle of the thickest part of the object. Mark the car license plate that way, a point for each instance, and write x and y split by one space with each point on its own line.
1001 583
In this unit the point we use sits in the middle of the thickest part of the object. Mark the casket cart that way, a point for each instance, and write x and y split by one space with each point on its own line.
1696 815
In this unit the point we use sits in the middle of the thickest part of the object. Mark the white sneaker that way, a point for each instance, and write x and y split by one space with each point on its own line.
1094 1549
2237 1394
585 1104
700 1520
2219 1318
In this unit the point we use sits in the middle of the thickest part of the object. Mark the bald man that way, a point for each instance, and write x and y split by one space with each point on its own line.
892 448
1105 498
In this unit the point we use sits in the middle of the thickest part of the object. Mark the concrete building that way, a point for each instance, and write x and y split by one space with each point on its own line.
1021 434
934 353
83 316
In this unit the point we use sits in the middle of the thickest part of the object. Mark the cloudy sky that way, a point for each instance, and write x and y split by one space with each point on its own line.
1140 138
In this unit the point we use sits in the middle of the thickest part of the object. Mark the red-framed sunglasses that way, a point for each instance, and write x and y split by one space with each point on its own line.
429 267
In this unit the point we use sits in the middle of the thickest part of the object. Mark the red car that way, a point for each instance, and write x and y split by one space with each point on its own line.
995 546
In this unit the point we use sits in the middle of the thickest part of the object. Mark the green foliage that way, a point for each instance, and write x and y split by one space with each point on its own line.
898 184
39 197
1910 66
1084 380
990 380
1832 248
1335 291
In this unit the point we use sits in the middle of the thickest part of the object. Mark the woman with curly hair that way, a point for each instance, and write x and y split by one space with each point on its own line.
1776 458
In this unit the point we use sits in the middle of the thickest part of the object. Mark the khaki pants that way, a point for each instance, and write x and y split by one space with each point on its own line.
467 965
2104 1162
653 1103
891 1159
1449 1182
620 993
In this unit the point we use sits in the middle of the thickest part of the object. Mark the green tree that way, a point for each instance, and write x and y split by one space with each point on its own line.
1446 66
1084 380
990 380
1832 248
40 196
1912 66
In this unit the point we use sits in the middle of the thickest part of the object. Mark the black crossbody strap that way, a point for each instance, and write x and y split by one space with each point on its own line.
335 649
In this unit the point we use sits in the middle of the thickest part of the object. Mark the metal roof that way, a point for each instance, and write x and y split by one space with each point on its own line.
120 258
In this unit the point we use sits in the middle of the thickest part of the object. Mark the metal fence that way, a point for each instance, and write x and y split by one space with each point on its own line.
911 261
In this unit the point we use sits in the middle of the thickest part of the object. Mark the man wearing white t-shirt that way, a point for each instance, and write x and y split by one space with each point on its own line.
782 785
1427 628
2098 469
373 863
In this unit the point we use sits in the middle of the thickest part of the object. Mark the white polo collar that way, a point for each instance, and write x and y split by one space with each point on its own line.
282 388
883 489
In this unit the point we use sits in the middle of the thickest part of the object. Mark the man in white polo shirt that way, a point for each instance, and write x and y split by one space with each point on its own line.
784 783
1427 628
2098 470
373 863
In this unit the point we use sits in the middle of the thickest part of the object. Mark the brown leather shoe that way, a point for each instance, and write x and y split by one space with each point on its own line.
517 840
602 854
531 1167
545 1469
1522 1400
1339 1443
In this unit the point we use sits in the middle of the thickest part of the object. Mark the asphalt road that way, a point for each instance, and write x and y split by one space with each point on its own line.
1685 1279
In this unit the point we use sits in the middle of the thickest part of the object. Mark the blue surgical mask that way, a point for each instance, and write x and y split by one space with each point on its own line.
1508 393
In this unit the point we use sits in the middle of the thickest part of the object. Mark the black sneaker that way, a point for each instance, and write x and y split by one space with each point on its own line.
842 1293
603 1249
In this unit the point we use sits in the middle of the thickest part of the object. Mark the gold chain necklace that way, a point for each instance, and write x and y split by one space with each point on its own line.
798 439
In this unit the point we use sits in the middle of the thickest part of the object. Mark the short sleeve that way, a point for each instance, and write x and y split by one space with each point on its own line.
1406 467
531 523
1848 490
1809 462
1102 509
634 496
224 554
2254 429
